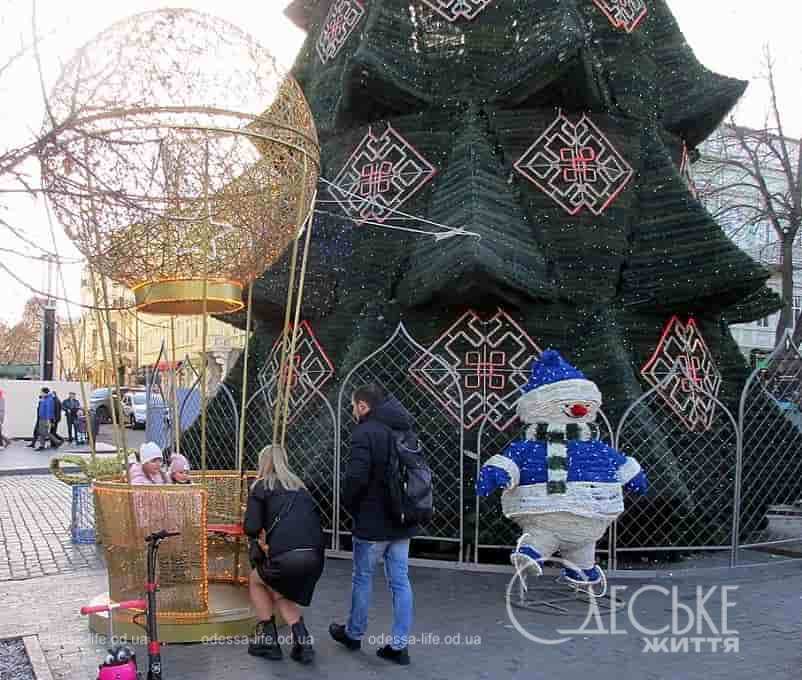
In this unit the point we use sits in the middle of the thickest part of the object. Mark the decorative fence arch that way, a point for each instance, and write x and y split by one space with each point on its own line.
691 469
158 421
222 421
770 465
392 366
311 439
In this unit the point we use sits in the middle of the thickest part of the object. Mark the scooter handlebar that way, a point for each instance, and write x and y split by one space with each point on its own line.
161 535
125 604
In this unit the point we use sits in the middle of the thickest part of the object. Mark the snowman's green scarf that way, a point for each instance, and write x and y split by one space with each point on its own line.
557 436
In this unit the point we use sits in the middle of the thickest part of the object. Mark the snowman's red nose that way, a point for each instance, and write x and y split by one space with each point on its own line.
579 410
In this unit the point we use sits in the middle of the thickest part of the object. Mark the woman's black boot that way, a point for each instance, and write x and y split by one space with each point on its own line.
265 640
302 650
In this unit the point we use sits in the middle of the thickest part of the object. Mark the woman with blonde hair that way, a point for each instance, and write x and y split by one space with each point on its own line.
287 554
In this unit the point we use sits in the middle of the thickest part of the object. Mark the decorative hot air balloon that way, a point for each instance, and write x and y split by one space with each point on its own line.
183 161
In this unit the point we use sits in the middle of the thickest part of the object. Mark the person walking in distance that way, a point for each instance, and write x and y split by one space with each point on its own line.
4 441
35 435
70 406
45 414
57 412
375 533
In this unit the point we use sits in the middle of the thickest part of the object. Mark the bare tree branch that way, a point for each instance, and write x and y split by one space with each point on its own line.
752 177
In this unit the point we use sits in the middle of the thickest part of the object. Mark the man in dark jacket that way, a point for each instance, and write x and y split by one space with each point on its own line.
71 406
57 410
375 535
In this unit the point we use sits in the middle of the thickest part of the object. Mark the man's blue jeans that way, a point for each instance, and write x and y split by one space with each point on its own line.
396 571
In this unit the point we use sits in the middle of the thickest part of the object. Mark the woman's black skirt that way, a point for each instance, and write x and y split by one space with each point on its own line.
294 574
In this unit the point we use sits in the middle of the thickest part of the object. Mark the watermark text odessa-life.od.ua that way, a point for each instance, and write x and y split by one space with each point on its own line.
422 639
695 626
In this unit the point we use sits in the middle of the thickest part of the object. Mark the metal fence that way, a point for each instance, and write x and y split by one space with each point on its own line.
716 468
441 434
222 422
691 470
770 461
311 440
222 415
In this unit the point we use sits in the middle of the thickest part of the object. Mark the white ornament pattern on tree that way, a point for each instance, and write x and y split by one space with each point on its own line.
342 19
382 173
626 14
576 165
492 359
686 172
312 369
458 9
689 392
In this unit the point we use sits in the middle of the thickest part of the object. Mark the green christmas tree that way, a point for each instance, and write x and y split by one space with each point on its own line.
558 133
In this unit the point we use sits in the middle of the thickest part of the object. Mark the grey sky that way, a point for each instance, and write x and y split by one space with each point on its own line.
727 36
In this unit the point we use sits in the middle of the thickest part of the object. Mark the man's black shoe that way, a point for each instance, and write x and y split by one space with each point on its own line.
399 656
337 632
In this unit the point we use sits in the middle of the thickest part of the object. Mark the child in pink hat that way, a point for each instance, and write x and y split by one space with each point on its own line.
179 469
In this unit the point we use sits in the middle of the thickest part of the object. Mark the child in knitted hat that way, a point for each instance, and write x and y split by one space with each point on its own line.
179 469
149 468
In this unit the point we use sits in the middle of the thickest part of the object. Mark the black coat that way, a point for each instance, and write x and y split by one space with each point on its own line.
298 528
365 493
57 406
70 407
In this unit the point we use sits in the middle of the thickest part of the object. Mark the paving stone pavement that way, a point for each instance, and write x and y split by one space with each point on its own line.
35 530
462 628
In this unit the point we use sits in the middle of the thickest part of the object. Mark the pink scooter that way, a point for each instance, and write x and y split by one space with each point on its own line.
120 662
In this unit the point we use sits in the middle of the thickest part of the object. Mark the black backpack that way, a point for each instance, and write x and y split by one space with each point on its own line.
409 480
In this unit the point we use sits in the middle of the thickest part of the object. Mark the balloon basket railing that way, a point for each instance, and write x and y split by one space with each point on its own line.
202 573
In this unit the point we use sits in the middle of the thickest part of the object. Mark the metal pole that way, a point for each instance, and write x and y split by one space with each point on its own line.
205 307
283 372
296 326
244 396
285 344
174 390
113 353
203 378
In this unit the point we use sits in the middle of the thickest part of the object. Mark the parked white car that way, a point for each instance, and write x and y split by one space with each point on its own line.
135 408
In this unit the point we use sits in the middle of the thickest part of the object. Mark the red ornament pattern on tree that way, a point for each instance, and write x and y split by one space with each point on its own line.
342 19
456 9
689 392
311 370
626 14
383 172
492 358
576 165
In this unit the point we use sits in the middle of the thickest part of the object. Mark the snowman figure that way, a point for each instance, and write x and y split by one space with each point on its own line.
561 485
